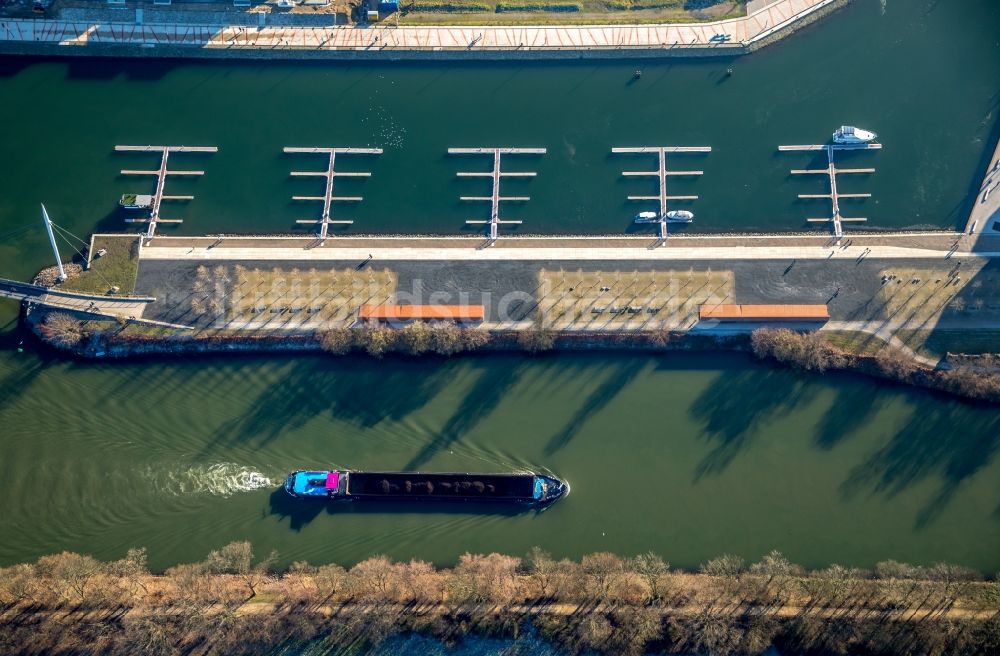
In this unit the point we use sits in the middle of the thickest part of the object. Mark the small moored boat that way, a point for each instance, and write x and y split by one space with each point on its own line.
850 135
136 201
647 217
345 484
680 216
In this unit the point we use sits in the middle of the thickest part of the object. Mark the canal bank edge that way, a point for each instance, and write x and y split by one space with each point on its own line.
804 351
48 43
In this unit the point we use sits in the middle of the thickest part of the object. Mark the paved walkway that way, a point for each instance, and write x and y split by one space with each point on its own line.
741 32
498 253
107 307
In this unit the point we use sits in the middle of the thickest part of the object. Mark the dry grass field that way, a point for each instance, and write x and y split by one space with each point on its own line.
630 300
276 297
924 296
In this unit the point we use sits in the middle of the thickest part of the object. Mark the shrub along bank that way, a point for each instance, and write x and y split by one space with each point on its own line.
234 603
805 351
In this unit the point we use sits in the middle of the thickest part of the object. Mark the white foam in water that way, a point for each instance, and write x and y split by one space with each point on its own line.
221 479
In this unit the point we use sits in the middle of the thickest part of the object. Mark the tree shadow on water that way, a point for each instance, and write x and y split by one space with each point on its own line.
949 441
736 402
479 401
852 408
355 389
623 374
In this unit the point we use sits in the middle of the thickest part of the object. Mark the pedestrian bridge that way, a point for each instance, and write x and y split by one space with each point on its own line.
112 307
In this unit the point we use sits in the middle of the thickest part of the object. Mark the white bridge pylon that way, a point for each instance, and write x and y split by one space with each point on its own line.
161 179
831 171
330 173
661 175
495 198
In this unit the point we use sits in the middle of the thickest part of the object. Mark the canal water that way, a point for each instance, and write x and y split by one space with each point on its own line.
689 455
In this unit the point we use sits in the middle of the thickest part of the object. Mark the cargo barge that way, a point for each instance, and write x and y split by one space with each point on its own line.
335 485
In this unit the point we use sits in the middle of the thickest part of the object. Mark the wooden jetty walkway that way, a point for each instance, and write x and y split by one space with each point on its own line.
832 171
161 179
330 173
661 174
495 198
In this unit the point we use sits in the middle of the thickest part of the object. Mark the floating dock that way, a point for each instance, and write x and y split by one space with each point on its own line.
831 171
330 173
661 174
161 180
495 198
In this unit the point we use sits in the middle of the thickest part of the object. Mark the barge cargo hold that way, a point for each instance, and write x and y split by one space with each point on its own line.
525 488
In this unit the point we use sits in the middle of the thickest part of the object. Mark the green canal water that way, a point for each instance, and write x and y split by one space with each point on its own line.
689 455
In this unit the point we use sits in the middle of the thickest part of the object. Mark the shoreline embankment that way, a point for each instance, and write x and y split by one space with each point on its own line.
804 351
102 38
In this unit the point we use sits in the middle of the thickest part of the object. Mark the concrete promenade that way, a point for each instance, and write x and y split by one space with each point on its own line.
222 40
498 253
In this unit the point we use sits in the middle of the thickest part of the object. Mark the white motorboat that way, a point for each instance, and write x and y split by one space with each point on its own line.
848 134
680 216
647 217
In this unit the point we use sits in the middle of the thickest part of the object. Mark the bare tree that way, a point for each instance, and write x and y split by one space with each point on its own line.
534 340
298 584
651 568
602 570
727 567
895 363
237 558
336 339
487 578
330 580
374 579
415 338
775 571
71 574
376 339
542 568
130 573
17 584
62 329
421 581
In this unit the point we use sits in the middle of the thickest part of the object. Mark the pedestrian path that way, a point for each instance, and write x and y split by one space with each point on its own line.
732 34
498 253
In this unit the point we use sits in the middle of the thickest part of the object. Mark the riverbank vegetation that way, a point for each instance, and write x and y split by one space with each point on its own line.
234 603
815 352
974 377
